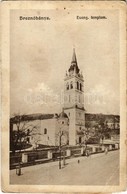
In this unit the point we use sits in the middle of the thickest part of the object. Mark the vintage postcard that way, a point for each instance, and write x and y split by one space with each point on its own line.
63 96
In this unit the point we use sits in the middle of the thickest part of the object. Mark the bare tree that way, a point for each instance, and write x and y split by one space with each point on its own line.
20 130
62 139
36 136
86 136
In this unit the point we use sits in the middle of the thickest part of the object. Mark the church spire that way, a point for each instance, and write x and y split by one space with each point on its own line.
74 64
74 59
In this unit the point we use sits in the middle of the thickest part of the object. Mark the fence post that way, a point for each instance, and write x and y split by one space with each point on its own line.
116 146
49 155
93 149
103 148
24 157
68 152
110 147
82 150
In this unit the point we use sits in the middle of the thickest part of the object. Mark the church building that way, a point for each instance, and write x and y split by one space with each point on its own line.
71 121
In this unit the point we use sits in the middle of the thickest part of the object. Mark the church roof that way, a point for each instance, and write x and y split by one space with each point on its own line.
30 117
63 115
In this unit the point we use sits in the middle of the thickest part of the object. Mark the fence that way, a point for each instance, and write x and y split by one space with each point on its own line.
15 159
41 156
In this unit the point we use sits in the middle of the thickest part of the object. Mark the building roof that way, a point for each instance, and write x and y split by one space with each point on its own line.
32 117
97 117
63 115
88 117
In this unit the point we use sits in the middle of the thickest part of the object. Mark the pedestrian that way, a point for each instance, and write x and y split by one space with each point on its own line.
78 161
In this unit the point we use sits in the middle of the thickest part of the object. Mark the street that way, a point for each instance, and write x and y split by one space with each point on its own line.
98 169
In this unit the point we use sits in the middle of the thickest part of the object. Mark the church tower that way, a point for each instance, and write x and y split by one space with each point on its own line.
74 101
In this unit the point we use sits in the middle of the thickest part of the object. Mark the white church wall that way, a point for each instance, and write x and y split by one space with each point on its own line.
41 131
48 126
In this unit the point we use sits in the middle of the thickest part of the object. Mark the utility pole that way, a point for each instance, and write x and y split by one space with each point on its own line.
64 157
61 133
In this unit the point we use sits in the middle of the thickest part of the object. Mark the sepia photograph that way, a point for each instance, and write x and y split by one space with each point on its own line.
64 117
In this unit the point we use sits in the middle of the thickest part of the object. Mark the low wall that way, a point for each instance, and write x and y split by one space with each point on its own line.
42 156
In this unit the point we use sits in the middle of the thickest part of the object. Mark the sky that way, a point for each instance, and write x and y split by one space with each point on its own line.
41 52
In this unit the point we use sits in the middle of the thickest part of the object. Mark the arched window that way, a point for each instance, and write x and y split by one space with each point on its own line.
28 140
80 86
71 85
45 131
77 85
67 86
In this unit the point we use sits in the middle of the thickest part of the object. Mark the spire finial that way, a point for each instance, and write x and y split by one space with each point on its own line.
63 109
74 56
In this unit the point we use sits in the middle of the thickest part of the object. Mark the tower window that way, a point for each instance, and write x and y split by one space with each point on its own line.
67 86
77 85
28 140
45 131
80 86
71 85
